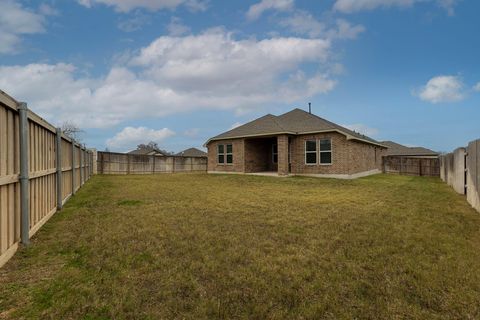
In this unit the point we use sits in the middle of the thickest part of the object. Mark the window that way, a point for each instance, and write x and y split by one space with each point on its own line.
310 152
221 153
229 154
275 153
325 151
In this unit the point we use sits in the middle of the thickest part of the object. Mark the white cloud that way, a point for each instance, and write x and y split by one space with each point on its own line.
191 133
448 5
130 137
134 23
345 30
256 10
362 128
176 27
350 6
152 5
477 87
209 71
46 10
15 21
303 23
442 89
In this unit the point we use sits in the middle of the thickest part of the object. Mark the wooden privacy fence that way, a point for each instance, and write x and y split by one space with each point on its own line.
415 166
461 170
40 168
124 163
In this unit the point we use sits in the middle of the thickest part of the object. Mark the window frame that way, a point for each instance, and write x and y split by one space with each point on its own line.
228 154
314 152
221 154
325 151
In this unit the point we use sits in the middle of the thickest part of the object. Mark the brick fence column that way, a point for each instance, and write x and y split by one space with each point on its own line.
282 144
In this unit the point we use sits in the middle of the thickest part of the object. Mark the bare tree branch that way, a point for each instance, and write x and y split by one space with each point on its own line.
72 131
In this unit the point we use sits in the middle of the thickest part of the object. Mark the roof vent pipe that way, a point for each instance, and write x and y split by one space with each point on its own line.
310 107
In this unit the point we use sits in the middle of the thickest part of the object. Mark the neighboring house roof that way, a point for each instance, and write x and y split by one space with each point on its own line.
192 152
148 151
396 149
296 121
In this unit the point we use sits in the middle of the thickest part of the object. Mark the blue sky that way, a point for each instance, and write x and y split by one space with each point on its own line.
180 71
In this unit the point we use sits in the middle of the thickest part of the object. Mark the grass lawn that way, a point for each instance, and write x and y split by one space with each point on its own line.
193 246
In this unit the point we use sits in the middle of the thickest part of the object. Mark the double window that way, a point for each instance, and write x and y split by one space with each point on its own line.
323 152
225 153
311 152
221 153
229 154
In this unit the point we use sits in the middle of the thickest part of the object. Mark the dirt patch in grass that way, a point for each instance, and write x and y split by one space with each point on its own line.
221 246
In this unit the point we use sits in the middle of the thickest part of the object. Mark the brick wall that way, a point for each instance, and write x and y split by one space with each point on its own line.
255 155
238 156
364 157
348 156
282 142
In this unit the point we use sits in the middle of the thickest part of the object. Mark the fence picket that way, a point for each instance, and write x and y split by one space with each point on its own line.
463 172
36 173
122 163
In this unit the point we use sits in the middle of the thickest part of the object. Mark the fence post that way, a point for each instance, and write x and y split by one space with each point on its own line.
59 168
102 162
128 163
173 167
73 167
465 174
24 178
153 165
81 165
89 164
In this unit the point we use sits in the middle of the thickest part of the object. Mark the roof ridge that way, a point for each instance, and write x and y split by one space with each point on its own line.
277 123
295 121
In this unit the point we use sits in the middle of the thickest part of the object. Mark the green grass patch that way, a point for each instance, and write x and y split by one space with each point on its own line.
128 202
195 246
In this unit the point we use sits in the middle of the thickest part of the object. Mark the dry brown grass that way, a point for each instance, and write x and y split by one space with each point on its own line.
220 246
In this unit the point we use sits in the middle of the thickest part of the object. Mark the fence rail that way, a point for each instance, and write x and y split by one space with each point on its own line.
40 168
124 163
414 166
461 170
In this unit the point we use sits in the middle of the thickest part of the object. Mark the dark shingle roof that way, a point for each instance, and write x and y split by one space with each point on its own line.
192 152
296 121
396 149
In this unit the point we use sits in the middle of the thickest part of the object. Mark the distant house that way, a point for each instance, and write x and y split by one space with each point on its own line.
396 149
191 152
297 143
148 151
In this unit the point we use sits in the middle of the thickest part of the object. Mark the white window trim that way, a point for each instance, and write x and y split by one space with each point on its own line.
273 153
326 151
316 152
228 154
221 153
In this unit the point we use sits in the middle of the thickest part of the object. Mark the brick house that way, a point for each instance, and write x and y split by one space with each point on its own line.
294 143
